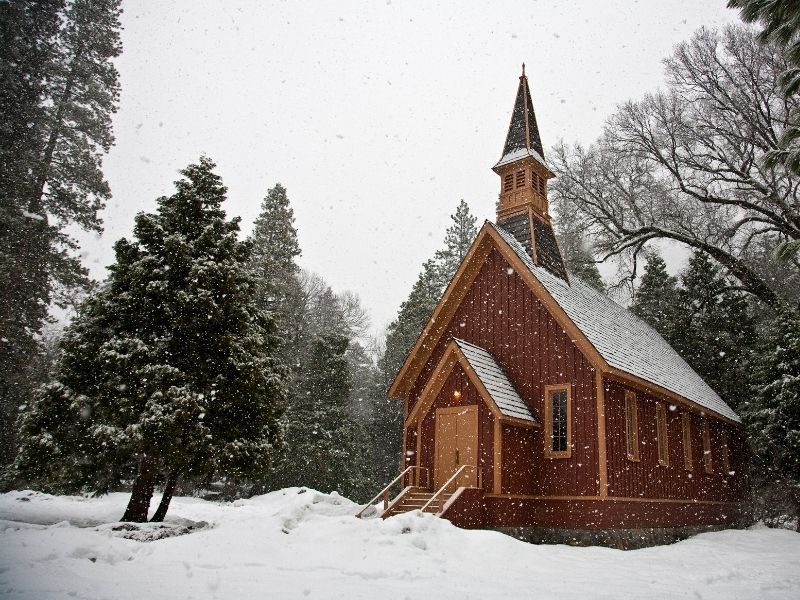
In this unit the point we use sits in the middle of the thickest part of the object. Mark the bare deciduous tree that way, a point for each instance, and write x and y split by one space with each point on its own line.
684 163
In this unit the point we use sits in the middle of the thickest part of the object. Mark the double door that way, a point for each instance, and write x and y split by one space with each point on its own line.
456 445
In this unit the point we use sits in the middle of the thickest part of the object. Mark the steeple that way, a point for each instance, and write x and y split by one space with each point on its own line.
523 133
522 208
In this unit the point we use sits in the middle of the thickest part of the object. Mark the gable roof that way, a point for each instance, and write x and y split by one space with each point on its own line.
623 340
496 382
523 133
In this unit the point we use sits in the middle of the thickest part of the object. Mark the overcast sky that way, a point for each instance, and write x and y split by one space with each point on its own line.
378 117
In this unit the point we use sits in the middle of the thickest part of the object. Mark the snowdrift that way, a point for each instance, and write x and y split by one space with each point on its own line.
300 543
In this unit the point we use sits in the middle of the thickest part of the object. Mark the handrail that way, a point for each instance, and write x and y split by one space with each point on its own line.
453 477
385 491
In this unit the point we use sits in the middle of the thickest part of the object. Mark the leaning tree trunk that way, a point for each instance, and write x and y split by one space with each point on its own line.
169 490
139 504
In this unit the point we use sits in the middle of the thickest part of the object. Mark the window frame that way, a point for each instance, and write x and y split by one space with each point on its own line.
708 459
548 420
726 457
686 431
631 426
662 434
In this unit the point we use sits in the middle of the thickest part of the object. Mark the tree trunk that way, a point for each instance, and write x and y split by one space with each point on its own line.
139 504
169 490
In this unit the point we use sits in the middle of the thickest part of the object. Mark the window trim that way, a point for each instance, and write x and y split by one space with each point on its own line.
686 430
726 458
548 421
708 459
662 434
631 426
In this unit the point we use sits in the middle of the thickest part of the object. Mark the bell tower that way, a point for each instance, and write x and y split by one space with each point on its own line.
522 209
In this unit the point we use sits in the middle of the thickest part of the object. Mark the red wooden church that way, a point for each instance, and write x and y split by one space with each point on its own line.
536 405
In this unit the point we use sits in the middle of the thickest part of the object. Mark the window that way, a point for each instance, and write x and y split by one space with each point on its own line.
686 422
508 182
541 185
631 426
558 417
726 460
520 178
661 433
534 180
707 459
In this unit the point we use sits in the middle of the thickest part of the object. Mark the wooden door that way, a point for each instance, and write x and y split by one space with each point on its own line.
456 444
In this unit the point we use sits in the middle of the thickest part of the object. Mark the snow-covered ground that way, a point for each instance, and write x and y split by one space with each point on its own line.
304 544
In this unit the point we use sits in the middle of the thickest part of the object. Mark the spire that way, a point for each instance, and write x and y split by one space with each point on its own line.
523 133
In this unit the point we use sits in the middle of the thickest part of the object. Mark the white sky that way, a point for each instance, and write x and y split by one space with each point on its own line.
377 116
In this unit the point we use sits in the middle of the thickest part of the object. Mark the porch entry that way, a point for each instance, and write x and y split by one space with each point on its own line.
456 444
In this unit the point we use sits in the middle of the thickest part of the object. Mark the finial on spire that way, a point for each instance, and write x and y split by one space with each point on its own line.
523 69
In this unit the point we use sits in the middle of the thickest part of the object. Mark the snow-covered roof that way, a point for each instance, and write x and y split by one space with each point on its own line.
622 339
494 379
517 154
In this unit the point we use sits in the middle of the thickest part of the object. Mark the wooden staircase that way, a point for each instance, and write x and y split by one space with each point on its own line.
416 499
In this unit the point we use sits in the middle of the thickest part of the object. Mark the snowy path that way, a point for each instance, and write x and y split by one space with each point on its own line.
309 545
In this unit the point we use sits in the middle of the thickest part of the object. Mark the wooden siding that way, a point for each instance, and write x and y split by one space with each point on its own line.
607 514
500 314
647 478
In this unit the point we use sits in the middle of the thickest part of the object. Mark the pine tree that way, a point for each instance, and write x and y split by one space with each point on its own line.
325 444
412 317
656 297
578 257
275 250
773 415
170 370
457 240
58 88
713 330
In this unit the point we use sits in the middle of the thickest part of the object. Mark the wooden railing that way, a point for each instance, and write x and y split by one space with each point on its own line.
451 483
413 471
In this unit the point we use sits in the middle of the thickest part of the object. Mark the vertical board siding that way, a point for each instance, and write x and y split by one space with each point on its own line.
499 313
647 478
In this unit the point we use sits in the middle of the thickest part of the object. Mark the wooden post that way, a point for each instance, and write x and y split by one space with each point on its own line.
385 499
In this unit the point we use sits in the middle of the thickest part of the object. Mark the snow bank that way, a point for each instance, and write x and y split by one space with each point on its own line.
299 543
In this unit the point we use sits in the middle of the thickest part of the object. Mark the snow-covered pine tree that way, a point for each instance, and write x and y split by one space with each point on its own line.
656 297
170 371
773 415
457 240
274 267
58 90
713 329
325 443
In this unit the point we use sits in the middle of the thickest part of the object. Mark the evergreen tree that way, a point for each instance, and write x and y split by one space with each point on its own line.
578 257
275 250
58 88
412 317
781 22
325 444
656 298
402 333
457 240
773 415
713 330
170 370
